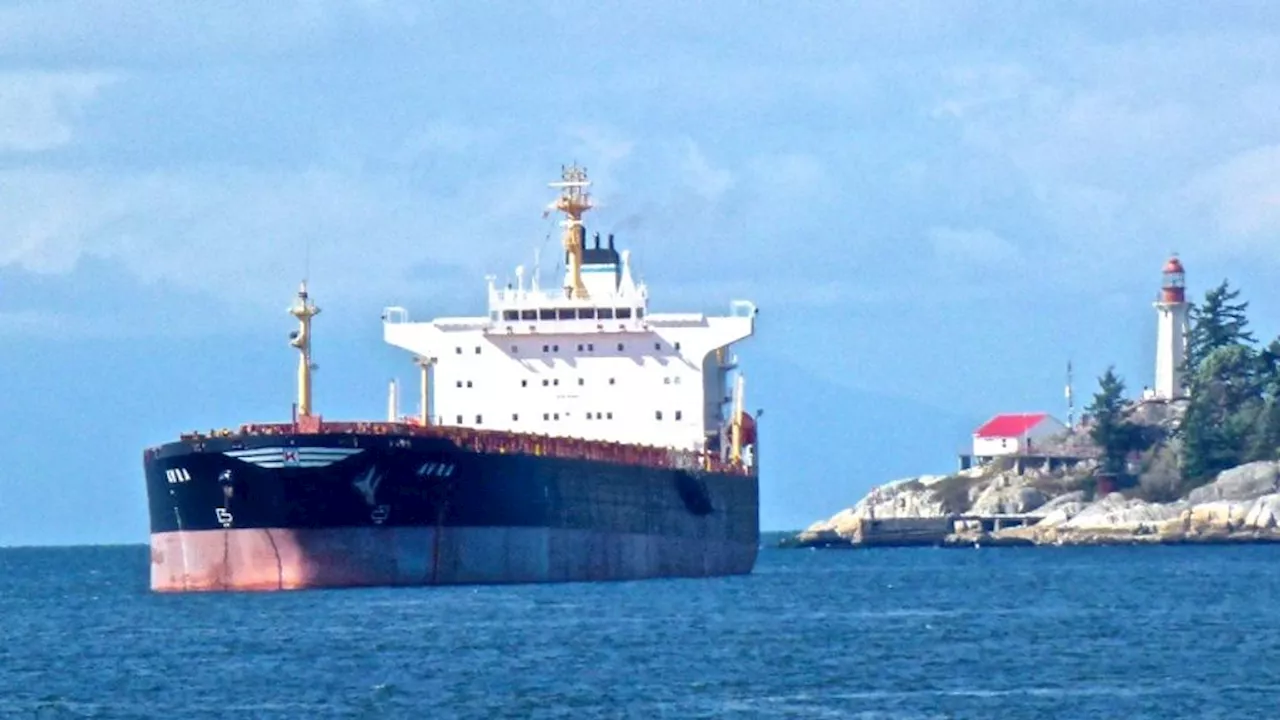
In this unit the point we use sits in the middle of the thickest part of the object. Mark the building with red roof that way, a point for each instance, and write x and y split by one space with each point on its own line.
1013 434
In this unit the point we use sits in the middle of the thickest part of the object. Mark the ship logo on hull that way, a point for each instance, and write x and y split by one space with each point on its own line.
300 457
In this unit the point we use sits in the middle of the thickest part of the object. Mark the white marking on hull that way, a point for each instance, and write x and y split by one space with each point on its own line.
367 483
437 469
224 516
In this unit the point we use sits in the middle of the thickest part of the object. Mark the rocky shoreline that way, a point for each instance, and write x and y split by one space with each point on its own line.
1241 506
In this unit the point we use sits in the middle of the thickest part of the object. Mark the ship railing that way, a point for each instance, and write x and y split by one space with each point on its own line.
500 442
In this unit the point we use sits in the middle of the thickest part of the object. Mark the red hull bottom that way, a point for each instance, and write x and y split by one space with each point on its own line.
280 559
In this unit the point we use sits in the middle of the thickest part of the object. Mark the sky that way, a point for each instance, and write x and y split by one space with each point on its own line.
935 205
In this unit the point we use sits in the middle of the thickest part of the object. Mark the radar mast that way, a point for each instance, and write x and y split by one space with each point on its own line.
303 309
574 200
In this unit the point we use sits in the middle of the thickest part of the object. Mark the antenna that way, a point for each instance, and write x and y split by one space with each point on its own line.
537 267
1071 410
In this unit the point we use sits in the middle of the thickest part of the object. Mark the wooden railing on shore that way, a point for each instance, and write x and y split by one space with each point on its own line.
497 442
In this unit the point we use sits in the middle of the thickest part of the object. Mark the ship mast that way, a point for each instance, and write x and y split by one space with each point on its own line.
303 309
735 427
424 365
573 201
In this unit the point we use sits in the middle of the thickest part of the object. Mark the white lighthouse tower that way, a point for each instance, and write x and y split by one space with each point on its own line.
1171 334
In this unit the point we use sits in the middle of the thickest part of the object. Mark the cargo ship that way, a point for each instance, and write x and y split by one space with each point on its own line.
569 434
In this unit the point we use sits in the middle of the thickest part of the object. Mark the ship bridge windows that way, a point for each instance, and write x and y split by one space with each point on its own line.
586 313
546 314
639 313
528 314
604 313
566 314
509 315
623 313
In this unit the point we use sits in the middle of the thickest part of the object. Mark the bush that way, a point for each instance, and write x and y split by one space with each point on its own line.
1160 479
953 492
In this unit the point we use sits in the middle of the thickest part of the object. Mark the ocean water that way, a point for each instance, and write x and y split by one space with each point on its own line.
1177 632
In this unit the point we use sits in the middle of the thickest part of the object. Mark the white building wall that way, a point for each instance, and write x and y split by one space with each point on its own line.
1171 349
575 378
994 446
990 446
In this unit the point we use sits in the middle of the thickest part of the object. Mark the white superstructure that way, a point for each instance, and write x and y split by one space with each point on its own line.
586 360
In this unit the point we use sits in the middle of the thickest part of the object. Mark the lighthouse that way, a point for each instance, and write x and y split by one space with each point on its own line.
1171 331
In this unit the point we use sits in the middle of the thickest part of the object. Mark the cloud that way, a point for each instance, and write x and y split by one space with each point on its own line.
1107 160
1243 195
446 137
38 109
970 248
31 322
239 234
152 30
703 178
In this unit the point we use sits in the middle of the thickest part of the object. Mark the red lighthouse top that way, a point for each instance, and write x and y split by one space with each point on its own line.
1173 290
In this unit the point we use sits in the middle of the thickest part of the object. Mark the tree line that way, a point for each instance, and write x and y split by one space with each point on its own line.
1232 414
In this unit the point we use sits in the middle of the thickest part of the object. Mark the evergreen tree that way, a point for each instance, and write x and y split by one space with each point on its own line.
1110 431
1265 442
1217 322
1223 415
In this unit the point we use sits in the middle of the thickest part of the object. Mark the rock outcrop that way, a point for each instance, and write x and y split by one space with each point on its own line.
1240 505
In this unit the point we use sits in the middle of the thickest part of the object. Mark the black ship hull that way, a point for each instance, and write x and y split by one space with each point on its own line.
333 510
